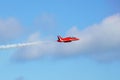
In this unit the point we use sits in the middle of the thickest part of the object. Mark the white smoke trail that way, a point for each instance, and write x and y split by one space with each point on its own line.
19 45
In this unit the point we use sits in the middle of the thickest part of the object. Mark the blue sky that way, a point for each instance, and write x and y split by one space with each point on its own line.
22 21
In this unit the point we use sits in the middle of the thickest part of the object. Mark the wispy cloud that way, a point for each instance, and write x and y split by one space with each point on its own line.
46 22
33 52
100 41
9 28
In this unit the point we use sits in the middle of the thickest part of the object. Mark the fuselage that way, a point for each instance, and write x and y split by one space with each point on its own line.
67 39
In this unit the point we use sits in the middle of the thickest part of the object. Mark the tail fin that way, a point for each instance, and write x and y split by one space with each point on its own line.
59 38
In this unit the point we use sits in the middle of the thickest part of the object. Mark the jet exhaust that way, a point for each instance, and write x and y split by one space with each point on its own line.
19 45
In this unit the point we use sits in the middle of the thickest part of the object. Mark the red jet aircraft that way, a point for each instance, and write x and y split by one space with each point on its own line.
67 39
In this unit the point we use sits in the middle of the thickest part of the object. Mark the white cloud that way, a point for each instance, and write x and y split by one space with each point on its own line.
103 35
35 51
100 41
9 28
